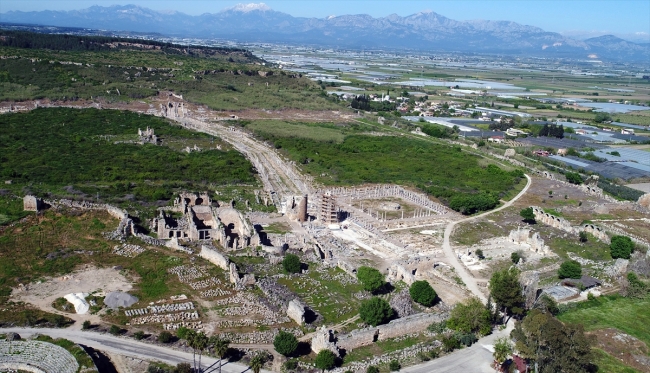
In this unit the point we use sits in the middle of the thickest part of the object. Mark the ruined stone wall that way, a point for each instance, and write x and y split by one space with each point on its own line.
396 328
397 272
296 311
214 257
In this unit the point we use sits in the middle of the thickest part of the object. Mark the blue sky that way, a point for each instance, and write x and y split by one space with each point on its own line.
580 18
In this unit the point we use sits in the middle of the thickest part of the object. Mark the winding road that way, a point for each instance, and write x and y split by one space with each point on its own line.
460 269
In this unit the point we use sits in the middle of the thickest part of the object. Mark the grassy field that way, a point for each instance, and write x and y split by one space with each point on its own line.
316 132
218 83
72 153
54 244
326 294
441 170
608 364
628 315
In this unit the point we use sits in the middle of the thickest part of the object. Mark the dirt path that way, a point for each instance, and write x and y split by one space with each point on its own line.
277 175
461 271
85 280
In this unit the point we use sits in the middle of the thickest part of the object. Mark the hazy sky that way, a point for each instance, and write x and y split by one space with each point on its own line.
621 17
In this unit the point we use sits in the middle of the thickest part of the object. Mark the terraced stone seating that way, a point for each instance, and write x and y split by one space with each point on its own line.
37 357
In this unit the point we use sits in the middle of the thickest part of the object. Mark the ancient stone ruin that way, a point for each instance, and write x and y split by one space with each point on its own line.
31 203
147 136
36 356
296 311
213 256
296 208
324 340
328 210
534 241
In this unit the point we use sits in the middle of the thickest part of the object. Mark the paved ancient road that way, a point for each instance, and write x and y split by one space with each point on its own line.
460 269
277 174
127 347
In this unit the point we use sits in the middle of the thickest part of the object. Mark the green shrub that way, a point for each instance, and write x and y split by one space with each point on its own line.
165 337
86 325
573 178
372 369
285 343
139 335
528 215
115 330
291 364
291 263
421 292
570 269
375 311
371 279
621 247
394 365
325 360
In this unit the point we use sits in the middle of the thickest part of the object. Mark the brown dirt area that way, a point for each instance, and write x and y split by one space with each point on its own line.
624 347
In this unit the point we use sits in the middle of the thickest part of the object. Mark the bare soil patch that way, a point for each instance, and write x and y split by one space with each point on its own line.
624 347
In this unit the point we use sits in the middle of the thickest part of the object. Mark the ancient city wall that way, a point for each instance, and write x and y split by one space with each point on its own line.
396 328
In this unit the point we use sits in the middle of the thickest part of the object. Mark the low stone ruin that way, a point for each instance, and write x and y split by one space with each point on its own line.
397 272
213 256
522 236
240 281
32 203
296 311
147 136
324 340
396 328
644 201
402 304
509 153
565 225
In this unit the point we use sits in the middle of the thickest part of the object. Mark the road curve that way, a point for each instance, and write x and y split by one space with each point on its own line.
460 269
126 347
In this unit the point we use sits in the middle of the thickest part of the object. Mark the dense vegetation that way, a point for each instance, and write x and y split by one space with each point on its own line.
421 292
620 191
223 80
570 269
375 311
62 42
445 172
63 152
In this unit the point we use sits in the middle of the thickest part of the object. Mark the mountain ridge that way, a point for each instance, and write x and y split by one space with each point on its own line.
425 30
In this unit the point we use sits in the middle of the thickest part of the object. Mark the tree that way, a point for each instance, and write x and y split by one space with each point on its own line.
583 236
371 279
470 316
423 293
325 360
285 343
182 332
573 178
375 311
528 215
506 291
621 247
291 263
502 349
553 346
257 362
165 337
570 269
198 342
220 347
